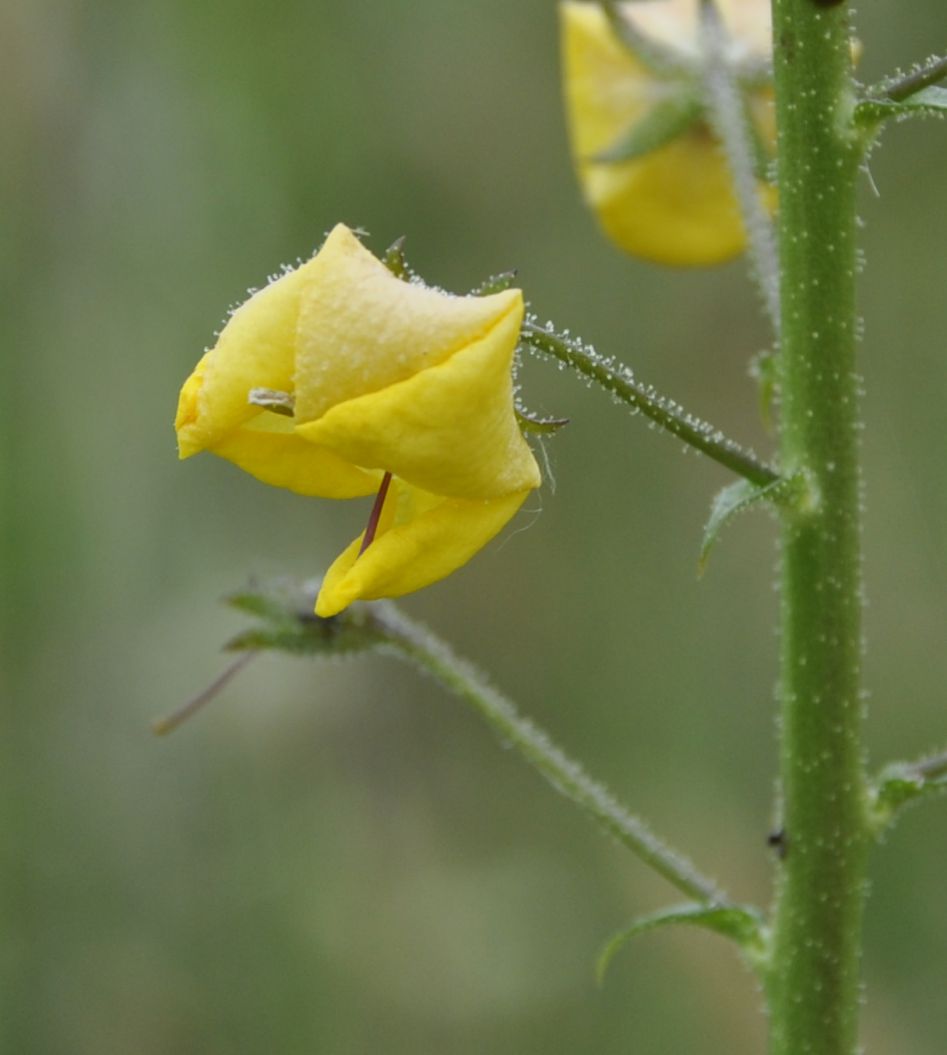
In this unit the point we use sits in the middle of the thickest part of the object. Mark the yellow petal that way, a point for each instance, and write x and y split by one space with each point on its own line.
421 538
256 349
361 329
268 448
674 205
607 89
449 429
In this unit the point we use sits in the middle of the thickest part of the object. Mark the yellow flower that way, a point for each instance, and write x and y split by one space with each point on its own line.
386 386
672 202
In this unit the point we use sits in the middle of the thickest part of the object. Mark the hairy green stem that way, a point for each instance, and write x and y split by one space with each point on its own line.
813 981
417 644
621 383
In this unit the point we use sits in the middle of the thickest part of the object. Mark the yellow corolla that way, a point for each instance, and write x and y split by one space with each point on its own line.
672 202
340 380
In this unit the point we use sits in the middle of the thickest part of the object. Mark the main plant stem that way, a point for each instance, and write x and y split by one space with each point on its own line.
813 982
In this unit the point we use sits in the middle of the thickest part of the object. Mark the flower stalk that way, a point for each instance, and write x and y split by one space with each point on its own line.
813 980
619 381
904 86
728 110
415 643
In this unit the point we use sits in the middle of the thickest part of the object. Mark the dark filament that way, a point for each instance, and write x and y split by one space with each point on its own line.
375 514
175 718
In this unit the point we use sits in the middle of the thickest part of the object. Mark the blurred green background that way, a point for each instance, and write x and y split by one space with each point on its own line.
338 858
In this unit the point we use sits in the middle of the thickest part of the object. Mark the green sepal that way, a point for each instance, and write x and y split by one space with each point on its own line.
273 602
494 284
662 123
285 610
538 426
733 499
397 263
740 923
307 636
395 260
928 102
903 784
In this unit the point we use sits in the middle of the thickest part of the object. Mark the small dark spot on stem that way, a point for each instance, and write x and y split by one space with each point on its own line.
777 840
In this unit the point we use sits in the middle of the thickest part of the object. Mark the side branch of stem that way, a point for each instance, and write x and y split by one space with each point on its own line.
619 382
903 87
415 643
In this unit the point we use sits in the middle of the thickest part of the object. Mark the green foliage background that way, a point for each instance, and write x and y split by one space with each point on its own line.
337 858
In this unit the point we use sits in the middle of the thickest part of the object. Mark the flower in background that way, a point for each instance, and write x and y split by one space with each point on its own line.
649 165
339 380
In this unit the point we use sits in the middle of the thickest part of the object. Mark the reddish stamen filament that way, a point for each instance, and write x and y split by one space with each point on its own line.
375 515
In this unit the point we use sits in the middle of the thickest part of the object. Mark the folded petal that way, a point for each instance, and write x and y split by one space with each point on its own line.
607 88
268 448
361 329
675 206
449 429
421 538
256 349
